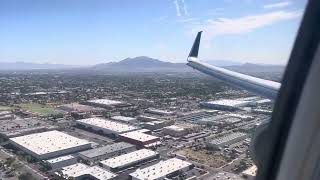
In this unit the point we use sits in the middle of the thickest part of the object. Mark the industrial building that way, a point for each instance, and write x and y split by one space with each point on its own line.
241 116
174 130
125 161
140 138
195 116
107 103
159 112
81 171
49 144
157 124
226 104
124 119
179 130
225 176
220 120
105 152
226 140
106 126
162 170
61 161
144 118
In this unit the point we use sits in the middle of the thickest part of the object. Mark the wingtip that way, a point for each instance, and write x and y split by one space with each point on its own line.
195 47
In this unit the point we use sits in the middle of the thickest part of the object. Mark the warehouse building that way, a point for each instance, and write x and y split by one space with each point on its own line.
106 126
140 138
81 171
220 120
226 104
241 116
226 140
162 170
125 161
49 144
144 118
195 116
174 130
107 103
105 152
61 161
157 124
124 119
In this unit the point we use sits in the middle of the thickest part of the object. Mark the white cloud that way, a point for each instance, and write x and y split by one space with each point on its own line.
242 25
181 6
277 5
175 2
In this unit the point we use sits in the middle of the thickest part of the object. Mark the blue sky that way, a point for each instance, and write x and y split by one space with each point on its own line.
85 32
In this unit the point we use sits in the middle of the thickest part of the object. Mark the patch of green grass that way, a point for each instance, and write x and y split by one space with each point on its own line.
44 110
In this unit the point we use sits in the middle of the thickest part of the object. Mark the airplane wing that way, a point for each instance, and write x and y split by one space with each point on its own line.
255 85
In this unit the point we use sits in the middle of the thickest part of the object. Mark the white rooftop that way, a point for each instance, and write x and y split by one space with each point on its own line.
80 169
160 169
123 118
107 124
174 128
48 142
138 136
105 101
59 159
153 110
229 102
130 158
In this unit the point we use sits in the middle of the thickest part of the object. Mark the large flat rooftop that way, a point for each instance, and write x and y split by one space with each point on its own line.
160 169
130 158
108 124
139 136
106 102
48 142
79 169
123 118
59 159
106 149
228 102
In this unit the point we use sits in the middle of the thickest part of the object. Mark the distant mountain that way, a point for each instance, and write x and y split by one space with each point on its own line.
142 64
31 66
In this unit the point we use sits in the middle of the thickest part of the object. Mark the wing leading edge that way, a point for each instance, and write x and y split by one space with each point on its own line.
258 86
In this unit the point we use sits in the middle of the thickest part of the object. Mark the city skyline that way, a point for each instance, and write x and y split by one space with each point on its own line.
83 33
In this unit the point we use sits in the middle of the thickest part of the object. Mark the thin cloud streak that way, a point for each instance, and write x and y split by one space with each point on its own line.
242 25
277 5
175 2
184 7
181 7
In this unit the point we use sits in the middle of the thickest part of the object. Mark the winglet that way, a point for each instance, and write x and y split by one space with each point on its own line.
195 48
